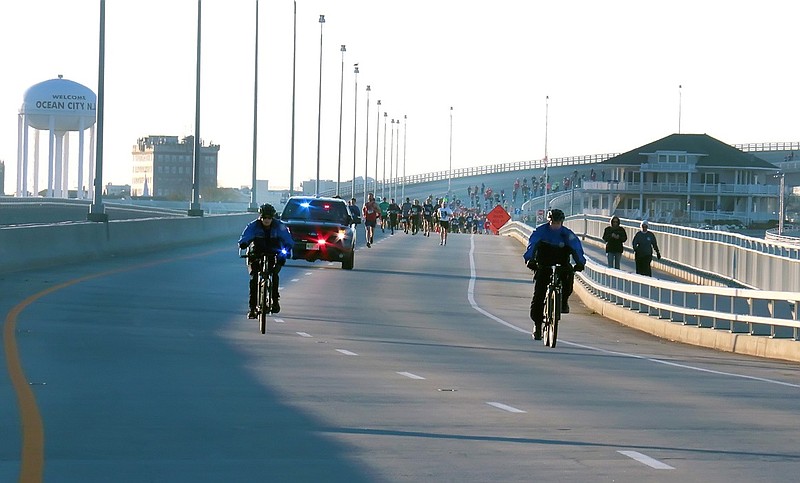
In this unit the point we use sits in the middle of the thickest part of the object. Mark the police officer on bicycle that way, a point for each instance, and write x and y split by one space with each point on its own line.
551 244
264 235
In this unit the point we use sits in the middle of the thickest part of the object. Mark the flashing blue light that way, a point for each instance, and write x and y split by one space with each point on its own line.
305 204
284 251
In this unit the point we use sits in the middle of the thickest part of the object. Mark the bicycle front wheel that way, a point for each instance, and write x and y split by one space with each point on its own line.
263 304
556 317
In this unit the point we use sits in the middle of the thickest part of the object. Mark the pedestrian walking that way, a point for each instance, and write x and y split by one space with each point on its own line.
644 245
614 236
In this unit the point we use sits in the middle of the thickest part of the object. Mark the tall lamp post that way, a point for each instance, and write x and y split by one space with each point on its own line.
377 141
319 106
194 207
397 159
391 156
781 201
294 79
450 171
355 131
97 211
405 136
253 195
366 148
383 184
546 178
341 100
572 185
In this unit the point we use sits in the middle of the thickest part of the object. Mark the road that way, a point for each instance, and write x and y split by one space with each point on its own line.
418 365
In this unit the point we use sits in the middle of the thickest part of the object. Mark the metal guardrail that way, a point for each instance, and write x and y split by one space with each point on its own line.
757 312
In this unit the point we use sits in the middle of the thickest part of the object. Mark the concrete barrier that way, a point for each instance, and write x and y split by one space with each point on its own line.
31 247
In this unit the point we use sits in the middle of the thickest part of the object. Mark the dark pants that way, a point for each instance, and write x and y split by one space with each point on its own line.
254 267
643 264
541 278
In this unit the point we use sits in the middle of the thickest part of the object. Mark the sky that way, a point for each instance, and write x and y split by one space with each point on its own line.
524 78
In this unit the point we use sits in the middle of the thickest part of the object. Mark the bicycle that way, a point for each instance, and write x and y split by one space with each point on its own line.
552 308
264 304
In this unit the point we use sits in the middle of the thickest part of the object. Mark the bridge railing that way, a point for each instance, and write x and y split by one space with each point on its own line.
756 312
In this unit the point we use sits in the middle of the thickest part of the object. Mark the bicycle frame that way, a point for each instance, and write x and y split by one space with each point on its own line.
264 301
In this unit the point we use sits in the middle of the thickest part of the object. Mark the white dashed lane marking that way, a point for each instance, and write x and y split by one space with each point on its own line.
646 460
505 407
410 375
346 352
303 334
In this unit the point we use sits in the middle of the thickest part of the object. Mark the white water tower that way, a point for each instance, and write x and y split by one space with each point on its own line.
58 106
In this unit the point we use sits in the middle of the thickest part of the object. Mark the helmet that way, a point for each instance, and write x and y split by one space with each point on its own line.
267 211
555 215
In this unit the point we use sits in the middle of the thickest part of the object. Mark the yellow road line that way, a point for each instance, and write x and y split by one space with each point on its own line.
32 457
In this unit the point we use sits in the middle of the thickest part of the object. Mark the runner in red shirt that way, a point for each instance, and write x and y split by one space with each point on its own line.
371 214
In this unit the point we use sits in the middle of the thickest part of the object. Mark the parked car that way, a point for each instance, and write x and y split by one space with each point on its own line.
321 229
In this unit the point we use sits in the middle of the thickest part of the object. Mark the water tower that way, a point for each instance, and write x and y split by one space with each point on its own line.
58 106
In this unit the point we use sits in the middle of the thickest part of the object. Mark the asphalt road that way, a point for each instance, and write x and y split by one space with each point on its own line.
417 365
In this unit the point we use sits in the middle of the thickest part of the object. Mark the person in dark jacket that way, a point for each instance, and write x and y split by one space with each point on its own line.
614 236
644 245
265 234
552 244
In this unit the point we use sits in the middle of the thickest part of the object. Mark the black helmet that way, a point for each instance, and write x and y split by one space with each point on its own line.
555 215
267 211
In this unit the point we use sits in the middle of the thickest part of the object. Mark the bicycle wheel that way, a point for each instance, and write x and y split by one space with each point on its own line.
263 304
556 317
547 323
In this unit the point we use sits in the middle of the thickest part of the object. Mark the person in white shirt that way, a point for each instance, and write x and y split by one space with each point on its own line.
445 213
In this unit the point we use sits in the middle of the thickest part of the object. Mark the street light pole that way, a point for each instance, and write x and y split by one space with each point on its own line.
253 192
319 106
355 131
366 148
194 207
97 211
383 185
546 162
377 141
391 156
781 205
341 99
294 79
450 172
405 137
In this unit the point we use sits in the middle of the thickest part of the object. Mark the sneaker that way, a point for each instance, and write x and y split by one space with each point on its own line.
537 335
369 244
565 307
251 314
276 306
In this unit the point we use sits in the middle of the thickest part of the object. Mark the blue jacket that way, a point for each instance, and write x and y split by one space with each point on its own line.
277 240
549 247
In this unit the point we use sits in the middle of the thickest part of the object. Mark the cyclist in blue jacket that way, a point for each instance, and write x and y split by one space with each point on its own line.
265 234
552 243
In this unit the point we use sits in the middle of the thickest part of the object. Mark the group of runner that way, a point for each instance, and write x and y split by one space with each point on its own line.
426 217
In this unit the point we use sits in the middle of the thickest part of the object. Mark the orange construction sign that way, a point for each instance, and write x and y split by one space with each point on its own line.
497 218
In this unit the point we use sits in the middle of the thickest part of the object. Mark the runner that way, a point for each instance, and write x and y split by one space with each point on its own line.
371 214
427 213
445 213
384 206
394 210
416 217
405 212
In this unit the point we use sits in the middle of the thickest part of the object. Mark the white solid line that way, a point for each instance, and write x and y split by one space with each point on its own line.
646 460
346 352
505 407
303 334
471 297
410 375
